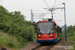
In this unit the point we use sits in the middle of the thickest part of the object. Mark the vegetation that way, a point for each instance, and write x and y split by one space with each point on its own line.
8 41
15 31
16 27
70 35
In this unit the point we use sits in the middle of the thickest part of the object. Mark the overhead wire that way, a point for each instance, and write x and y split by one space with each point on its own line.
48 8
53 8
57 21
58 4
46 3
54 3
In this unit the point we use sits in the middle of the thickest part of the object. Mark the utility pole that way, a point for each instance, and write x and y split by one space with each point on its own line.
42 14
32 25
52 9
65 22
52 14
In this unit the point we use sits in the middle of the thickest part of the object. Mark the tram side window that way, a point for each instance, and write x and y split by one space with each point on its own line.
58 29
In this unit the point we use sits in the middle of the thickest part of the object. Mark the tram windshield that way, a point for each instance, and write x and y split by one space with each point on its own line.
45 27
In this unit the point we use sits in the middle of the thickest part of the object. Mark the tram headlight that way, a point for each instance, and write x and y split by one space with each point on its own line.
39 35
51 34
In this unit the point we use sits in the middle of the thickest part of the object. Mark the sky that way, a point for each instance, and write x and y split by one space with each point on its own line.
24 6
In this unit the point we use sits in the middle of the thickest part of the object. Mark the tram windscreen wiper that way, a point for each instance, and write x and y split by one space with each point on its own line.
50 32
39 32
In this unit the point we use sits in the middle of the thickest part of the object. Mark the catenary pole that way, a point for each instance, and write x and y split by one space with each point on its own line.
32 25
52 9
65 22
52 14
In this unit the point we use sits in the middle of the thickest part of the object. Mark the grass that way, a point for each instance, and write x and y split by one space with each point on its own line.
11 42
8 41
35 36
71 38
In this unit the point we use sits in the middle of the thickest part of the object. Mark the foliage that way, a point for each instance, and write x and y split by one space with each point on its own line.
70 33
14 24
9 41
70 36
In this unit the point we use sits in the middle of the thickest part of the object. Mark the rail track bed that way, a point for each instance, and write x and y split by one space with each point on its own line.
47 46
42 47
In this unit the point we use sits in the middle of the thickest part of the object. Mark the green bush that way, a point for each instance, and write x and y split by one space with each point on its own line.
14 24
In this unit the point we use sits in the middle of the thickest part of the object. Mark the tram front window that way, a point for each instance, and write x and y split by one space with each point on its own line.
45 27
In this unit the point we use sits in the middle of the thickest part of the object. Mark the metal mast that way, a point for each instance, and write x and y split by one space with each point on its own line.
65 22
32 25
52 9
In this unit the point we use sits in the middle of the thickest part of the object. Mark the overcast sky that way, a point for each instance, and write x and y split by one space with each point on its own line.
24 6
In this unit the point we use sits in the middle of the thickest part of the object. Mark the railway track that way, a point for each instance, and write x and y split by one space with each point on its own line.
45 46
